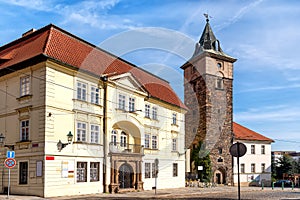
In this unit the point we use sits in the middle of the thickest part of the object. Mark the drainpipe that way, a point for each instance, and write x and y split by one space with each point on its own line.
104 79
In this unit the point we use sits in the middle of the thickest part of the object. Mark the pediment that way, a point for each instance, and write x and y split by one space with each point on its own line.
129 82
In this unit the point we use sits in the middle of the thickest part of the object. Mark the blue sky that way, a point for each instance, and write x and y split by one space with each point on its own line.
263 35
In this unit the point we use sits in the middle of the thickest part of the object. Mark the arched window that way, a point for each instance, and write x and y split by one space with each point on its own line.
114 137
123 139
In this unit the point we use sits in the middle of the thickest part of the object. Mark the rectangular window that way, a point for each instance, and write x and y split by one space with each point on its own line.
253 168
252 149
174 118
122 101
175 169
131 104
263 149
242 168
154 142
95 132
147 140
81 91
114 137
147 170
24 130
23 173
81 131
94 171
25 85
81 171
263 167
154 170
154 113
147 110
174 144
94 95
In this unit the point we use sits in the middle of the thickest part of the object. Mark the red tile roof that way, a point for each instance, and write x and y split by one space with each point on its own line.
242 133
64 47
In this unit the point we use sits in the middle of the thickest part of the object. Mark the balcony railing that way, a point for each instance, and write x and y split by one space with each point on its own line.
117 147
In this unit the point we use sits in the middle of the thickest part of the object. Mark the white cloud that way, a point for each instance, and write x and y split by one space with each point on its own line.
277 114
238 15
269 88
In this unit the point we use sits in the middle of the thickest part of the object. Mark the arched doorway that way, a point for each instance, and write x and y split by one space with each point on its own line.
125 176
219 176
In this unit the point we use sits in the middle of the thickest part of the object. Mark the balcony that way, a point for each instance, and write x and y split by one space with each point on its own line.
117 147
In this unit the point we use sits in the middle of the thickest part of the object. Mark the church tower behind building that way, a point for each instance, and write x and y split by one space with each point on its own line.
208 96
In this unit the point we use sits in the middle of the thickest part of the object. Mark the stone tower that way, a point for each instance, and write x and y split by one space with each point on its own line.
208 95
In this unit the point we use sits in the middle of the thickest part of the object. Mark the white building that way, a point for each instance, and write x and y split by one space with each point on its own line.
121 119
255 165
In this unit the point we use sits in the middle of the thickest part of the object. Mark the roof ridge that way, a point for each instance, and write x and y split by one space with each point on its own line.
241 126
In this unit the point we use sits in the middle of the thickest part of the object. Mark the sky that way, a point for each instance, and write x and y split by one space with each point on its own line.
264 35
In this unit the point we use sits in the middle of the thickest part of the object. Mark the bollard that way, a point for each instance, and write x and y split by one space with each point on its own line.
282 185
292 185
272 185
262 185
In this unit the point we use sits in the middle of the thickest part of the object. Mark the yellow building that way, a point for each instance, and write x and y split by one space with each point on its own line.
83 121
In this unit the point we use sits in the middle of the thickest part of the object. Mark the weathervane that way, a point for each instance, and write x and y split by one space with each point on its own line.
207 16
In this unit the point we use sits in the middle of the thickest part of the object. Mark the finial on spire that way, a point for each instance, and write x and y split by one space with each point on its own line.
206 16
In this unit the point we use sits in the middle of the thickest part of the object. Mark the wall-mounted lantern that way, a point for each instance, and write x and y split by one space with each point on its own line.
61 145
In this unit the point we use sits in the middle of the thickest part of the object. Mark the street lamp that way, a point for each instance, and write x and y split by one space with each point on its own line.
61 145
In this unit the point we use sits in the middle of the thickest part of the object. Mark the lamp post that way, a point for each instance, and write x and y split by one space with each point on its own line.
61 145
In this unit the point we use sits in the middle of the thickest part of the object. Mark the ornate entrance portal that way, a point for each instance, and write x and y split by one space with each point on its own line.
125 176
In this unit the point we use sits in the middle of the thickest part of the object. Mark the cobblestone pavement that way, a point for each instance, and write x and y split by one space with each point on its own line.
225 193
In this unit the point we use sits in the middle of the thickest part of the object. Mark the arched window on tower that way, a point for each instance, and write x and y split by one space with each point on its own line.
216 45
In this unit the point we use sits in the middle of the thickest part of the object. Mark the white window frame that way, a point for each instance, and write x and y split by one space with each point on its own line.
154 113
95 94
263 167
24 130
81 172
81 93
252 149
94 171
113 137
252 167
147 110
154 141
243 168
24 85
81 130
123 139
147 140
122 102
174 118
263 149
174 144
95 133
131 104
147 170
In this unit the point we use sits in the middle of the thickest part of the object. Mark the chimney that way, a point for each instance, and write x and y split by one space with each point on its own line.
28 32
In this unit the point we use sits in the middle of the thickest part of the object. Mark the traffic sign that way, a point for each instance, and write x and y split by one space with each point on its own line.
10 162
10 154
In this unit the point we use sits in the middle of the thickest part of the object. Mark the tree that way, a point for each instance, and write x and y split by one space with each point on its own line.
284 165
200 157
